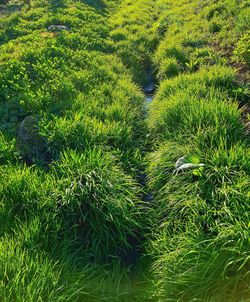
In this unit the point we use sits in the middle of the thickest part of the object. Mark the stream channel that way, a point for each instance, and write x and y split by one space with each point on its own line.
149 90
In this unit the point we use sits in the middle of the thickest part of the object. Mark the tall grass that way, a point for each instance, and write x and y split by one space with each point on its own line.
70 229
199 233
75 228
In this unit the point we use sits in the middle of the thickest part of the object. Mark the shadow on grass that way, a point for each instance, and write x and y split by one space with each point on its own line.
97 4
11 8
59 4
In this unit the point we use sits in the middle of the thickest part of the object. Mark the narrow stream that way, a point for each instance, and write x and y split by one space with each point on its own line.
148 90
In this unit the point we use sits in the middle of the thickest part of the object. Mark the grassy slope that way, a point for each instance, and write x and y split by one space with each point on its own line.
201 242
84 208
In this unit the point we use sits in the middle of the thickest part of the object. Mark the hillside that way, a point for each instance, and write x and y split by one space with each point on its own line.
124 150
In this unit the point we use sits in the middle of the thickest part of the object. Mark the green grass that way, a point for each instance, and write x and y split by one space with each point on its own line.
200 228
66 227
75 227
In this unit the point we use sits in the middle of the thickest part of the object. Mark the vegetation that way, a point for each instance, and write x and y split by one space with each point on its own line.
79 154
200 243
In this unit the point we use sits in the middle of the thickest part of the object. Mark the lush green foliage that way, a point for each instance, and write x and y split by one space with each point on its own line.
74 227
84 206
200 232
242 51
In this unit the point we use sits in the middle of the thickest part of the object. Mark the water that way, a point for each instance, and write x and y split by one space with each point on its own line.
148 90
149 98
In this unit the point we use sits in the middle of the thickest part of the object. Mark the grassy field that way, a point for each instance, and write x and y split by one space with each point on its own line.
80 151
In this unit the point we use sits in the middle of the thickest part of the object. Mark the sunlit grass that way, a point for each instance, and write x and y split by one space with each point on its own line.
75 228
200 218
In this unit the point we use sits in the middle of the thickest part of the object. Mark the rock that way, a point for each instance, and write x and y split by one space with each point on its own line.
56 28
149 88
30 143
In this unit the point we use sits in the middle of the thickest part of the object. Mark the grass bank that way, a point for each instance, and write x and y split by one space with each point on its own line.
200 231
74 142
71 124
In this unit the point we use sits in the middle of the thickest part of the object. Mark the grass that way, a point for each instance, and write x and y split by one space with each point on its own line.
200 233
62 223
75 227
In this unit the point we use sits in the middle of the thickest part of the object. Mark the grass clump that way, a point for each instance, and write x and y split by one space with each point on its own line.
243 49
169 68
99 205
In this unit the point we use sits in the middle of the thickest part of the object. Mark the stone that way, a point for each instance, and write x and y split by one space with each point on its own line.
30 143
56 28
149 88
